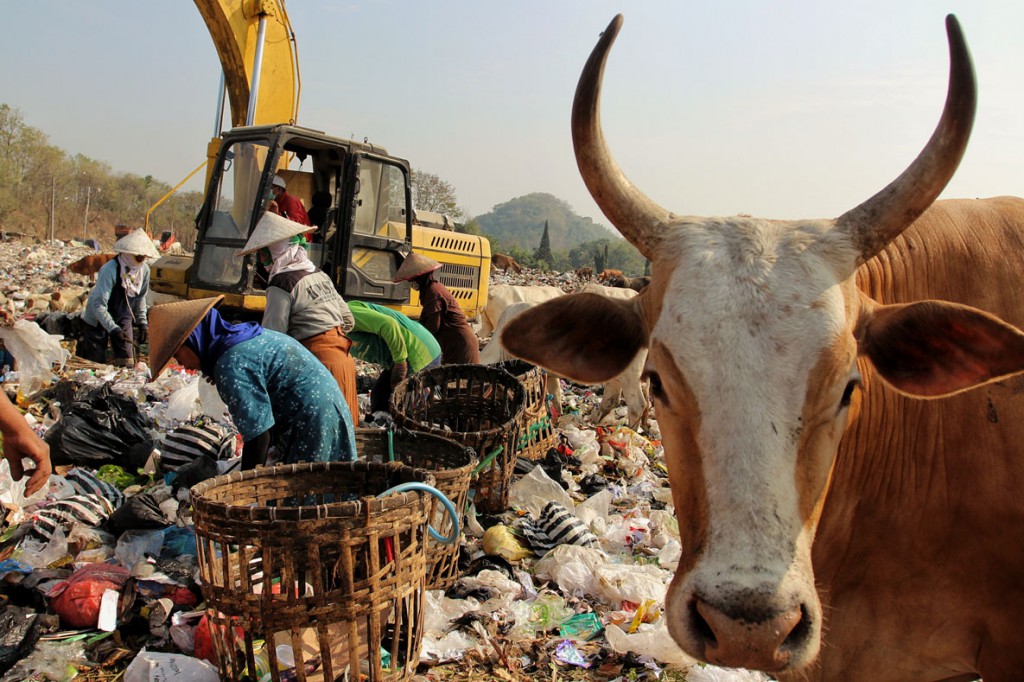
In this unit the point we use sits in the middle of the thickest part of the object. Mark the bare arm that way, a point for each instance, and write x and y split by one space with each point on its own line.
20 441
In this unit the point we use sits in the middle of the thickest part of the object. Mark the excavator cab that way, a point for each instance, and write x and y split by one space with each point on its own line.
358 196
359 201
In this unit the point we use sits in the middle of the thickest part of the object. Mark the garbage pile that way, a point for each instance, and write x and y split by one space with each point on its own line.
99 569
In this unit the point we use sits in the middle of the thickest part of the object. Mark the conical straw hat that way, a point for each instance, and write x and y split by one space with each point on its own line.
170 324
138 243
415 265
271 228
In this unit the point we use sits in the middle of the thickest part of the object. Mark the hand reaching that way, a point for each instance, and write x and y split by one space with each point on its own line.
399 372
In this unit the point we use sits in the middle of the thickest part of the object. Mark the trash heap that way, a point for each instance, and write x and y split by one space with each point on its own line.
99 569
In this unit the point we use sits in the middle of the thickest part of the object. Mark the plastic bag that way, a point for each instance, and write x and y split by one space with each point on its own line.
19 631
77 599
617 583
52 661
196 471
35 353
210 402
650 640
142 511
38 553
98 428
534 490
134 545
179 541
572 568
12 493
183 404
152 666
499 541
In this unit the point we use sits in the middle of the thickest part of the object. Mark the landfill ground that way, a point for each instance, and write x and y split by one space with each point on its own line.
116 525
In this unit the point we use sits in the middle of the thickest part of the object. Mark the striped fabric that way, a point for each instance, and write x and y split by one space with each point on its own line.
86 483
91 510
190 442
557 526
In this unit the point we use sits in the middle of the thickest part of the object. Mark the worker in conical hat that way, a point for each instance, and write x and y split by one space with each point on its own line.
441 315
117 303
303 302
276 392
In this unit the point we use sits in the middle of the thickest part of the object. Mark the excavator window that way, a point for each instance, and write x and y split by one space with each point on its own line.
235 198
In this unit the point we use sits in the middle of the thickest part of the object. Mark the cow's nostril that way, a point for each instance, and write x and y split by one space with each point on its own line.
700 627
798 635
750 634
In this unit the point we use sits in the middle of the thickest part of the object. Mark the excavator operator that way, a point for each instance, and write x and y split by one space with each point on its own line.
286 205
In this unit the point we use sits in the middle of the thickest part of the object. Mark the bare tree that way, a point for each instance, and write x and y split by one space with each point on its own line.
431 193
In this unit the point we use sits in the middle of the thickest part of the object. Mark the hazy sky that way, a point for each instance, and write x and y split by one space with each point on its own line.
781 109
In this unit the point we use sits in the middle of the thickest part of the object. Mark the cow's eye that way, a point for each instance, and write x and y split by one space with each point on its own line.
657 390
851 386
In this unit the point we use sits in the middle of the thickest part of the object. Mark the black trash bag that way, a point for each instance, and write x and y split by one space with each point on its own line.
19 632
139 512
97 428
196 471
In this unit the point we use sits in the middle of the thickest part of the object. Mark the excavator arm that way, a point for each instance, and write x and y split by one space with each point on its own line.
234 26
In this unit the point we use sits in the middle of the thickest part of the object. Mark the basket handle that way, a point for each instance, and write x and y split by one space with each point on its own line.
487 460
449 507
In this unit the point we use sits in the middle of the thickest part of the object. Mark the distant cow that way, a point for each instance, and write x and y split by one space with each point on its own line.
584 273
505 263
608 274
68 301
88 266
635 283
627 385
503 295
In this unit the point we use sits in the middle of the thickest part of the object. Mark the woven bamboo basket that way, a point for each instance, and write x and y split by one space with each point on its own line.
478 406
537 434
285 561
451 465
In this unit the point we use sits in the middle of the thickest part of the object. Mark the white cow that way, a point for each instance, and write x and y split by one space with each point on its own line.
502 296
627 385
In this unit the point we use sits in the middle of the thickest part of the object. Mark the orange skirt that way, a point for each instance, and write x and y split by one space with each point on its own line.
331 348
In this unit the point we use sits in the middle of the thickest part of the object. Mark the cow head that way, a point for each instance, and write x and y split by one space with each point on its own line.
754 330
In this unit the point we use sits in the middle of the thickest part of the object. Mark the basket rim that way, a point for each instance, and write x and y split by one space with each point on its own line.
204 505
407 434
512 381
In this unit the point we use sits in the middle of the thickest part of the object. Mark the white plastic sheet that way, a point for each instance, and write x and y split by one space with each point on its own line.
152 666
534 490
35 353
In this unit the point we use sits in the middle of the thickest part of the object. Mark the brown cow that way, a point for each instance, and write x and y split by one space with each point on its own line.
608 274
584 273
634 283
504 263
88 266
833 525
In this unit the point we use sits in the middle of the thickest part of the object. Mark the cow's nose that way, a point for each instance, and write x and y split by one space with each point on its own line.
763 641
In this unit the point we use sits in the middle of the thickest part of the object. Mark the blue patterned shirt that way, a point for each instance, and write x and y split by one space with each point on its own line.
271 380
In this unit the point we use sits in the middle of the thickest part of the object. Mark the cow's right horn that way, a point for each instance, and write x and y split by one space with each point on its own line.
630 210
884 216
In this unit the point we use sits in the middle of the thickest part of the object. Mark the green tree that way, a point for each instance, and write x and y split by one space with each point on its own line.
543 252
471 226
431 193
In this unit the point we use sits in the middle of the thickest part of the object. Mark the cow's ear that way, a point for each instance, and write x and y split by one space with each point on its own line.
585 337
935 348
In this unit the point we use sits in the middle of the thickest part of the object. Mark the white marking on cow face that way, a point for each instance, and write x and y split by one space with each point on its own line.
753 347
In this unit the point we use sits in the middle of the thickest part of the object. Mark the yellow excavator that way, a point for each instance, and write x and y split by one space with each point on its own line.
358 196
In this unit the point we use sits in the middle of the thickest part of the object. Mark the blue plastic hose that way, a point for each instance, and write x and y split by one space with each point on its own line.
449 507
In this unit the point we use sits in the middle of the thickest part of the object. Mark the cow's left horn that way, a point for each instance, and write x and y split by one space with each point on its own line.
884 216
630 210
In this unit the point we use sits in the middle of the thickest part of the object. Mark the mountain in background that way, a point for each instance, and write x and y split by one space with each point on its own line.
520 222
